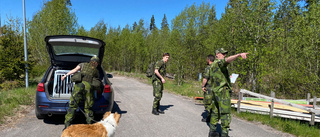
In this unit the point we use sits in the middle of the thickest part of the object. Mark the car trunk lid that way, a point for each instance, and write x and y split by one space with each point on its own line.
72 49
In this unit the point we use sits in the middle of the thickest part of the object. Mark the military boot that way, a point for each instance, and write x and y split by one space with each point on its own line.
214 134
159 111
206 119
154 111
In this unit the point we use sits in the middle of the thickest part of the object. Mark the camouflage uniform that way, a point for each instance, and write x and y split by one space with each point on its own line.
157 83
83 91
222 92
207 96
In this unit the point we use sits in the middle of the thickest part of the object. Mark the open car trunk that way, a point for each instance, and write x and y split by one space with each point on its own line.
66 52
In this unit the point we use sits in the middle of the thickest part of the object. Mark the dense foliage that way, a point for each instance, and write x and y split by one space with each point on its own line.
12 64
55 18
282 40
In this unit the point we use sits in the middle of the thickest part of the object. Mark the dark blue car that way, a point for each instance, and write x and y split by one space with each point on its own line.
66 52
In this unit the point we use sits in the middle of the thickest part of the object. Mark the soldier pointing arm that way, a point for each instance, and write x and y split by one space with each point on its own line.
222 89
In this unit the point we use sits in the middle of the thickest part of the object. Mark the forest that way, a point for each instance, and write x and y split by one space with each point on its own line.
281 37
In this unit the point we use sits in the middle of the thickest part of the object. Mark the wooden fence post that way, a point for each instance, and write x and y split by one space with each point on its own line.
271 108
273 94
313 114
308 98
272 104
239 101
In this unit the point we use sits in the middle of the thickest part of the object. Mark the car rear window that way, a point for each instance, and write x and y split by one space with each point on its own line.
65 50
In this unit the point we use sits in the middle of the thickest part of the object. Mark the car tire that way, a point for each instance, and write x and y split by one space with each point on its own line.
40 116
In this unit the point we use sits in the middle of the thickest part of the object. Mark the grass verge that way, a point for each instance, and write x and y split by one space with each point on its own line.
11 100
192 89
294 127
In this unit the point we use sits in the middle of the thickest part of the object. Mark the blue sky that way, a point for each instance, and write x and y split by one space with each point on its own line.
113 12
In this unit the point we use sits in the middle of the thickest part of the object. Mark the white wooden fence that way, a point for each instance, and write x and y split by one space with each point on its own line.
313 114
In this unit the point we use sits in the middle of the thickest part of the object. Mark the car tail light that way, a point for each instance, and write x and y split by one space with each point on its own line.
107 89
40 87
103 106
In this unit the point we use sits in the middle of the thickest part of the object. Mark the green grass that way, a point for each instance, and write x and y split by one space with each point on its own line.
188 88
192 89
294 127
11 100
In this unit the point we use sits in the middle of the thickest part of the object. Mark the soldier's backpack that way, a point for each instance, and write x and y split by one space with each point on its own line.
77 77
150 70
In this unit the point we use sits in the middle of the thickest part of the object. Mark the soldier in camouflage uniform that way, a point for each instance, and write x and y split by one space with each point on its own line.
206 88
158 81
222 91
83 90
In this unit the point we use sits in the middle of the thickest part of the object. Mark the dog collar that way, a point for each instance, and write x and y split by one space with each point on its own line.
110 123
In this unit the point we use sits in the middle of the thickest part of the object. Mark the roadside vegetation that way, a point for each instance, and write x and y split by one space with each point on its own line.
294 127
11 100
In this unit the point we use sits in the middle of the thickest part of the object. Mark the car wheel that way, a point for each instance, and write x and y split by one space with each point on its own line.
40 116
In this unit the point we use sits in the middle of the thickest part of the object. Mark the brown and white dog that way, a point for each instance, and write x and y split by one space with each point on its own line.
105 128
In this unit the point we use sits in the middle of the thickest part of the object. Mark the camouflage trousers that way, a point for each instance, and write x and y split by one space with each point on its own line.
207 99
157 93
221 109
82 92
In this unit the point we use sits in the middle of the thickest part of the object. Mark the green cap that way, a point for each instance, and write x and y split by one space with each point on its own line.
221 50
94 58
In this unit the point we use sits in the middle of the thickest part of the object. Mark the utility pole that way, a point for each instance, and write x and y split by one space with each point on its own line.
0 26
25 44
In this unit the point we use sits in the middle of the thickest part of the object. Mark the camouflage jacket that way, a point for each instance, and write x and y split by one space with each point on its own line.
88 72
206 75
219 74
161 66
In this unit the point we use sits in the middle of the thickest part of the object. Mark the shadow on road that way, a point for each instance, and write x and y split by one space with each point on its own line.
116 108
165 107
55 119
79 117
59 119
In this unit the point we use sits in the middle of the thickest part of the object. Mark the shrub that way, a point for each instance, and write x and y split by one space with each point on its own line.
7 85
